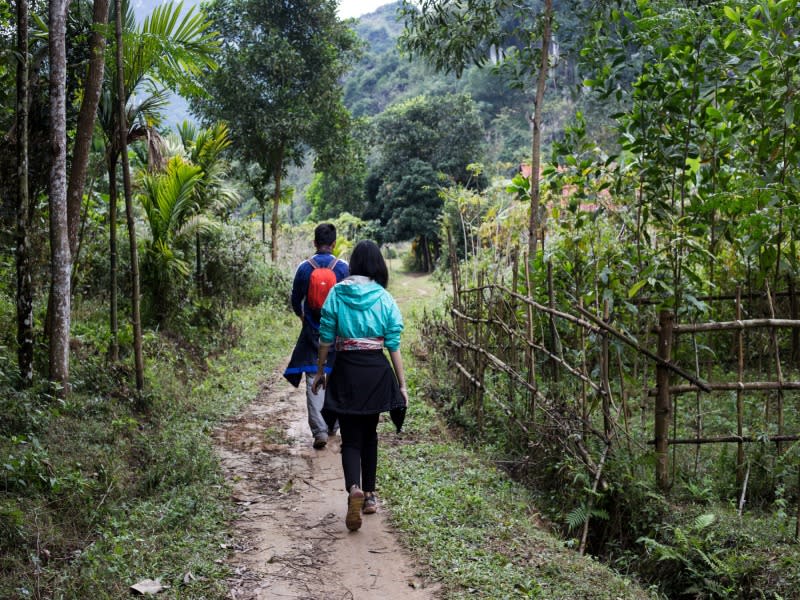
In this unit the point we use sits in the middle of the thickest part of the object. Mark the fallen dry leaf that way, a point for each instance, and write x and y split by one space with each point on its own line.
148 586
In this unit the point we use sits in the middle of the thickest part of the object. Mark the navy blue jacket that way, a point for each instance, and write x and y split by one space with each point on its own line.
306 349
300 284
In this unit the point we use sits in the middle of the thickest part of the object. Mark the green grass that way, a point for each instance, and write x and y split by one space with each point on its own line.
476 530
106 489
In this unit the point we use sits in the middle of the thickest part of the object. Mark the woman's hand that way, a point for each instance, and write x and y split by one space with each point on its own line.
404 393
319 381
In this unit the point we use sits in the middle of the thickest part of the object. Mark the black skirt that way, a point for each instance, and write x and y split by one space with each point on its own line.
362 383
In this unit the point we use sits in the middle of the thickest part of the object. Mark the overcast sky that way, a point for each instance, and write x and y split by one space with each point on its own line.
356 8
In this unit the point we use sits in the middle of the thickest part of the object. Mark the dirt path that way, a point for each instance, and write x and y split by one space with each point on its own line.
291 541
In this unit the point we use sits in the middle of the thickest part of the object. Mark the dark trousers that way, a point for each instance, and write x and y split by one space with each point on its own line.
359 450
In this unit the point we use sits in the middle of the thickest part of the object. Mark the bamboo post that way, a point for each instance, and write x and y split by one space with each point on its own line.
513 310
739 394
793 315
778 370
604 369
663 400
456 278
551 301
645 387
698 418
624 398
529 354
479 360
585 373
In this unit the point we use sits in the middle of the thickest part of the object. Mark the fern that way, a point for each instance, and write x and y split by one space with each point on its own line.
577 517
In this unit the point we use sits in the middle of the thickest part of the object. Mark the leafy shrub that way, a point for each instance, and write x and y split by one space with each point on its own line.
234 268
12 524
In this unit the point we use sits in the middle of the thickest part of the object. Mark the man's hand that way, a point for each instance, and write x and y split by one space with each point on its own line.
319 381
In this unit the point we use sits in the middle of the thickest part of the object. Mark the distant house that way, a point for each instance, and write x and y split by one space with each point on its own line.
567 191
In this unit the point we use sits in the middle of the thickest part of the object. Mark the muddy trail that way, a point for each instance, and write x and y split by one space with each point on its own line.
290 540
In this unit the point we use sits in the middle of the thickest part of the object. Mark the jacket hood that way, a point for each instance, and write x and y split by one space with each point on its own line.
359 292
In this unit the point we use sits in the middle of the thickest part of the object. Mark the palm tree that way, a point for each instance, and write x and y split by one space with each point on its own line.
166 51
206 149
169 202
180 202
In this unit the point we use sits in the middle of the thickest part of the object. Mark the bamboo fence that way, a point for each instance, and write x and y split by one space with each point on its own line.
579 373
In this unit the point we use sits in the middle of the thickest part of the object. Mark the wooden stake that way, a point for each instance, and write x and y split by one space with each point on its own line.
663 408
739 393
778 370
529 354
604 368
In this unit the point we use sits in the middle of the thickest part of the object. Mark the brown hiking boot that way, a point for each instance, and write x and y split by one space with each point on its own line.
320 441
355 501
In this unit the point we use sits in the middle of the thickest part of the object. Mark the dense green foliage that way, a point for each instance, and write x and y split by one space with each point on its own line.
694 197
103 490
384 77
426 144
278 87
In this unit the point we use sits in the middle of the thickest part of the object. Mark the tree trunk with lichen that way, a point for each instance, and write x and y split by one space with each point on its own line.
60 259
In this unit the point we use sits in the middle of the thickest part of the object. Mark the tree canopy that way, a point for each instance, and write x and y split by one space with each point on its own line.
425 143
278 85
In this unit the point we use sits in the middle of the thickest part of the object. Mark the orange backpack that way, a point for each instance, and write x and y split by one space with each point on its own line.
319 284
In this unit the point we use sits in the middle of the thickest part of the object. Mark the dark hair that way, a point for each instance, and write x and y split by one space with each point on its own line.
367 260
324 234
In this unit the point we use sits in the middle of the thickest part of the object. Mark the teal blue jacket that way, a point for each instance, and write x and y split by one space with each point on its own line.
358 307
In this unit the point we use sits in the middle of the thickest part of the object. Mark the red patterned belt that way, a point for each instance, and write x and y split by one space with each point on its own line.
365 343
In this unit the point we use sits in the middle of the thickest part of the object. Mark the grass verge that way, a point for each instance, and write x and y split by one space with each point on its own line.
102 491
475 529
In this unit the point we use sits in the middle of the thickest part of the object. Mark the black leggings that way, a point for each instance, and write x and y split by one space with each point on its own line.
359 450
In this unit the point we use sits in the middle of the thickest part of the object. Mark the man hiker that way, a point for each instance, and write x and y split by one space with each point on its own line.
312 282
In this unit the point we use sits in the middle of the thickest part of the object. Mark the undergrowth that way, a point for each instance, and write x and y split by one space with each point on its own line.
690 543
110 487
477 530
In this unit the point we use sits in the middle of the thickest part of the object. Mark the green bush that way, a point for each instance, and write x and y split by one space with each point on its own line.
235 268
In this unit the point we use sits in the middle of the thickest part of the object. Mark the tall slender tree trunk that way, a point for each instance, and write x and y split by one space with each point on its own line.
136 317
86 119
536 142
198 265
112 251
23 257
276 202
264 223
60 262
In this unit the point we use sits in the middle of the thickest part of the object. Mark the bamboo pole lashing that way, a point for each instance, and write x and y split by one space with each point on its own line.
572 370
634 344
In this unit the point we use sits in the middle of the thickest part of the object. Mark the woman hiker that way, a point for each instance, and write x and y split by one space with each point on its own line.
362 318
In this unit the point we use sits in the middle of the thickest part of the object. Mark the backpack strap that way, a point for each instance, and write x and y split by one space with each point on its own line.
310 260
